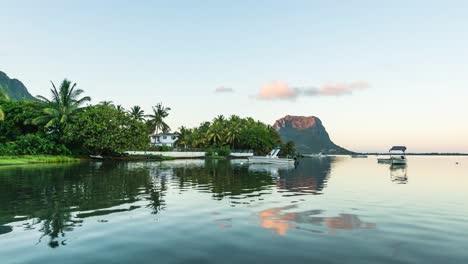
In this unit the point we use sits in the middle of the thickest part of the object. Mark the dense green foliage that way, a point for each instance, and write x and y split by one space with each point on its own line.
61 126
104 129
3 97
234 133
33 144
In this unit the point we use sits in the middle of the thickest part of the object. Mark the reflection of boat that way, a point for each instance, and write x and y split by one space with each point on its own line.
273 169
398 173
397 155
318 155
271 158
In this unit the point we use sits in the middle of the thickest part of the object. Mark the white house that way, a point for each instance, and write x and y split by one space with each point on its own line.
164 139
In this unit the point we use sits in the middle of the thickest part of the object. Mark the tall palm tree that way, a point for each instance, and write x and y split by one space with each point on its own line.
185 137
157 118
233 132
137 113
215 134
59 110
3 97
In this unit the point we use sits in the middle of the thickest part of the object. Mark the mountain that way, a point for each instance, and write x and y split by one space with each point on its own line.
308 133
14 88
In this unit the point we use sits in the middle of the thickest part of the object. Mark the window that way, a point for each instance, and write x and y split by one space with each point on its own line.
174 137
164 137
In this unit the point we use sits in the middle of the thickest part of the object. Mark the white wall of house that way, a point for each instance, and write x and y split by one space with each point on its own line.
164 139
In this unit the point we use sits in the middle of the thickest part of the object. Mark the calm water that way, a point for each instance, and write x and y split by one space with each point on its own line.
334 210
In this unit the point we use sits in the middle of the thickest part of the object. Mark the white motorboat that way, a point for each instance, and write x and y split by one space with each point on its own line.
271 158
397 155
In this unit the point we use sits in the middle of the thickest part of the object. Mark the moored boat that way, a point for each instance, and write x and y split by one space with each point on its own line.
271 158
398 155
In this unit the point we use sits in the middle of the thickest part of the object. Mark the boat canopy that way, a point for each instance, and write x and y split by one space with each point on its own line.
398 148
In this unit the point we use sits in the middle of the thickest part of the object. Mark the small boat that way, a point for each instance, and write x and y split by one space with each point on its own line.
359 156
271 158
384 160
398 155
96 157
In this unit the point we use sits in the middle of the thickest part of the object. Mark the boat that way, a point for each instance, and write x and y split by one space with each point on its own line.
271 158
398 155
384 160
359 156
96 157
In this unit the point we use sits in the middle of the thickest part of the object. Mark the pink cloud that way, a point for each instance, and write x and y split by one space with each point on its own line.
336 89
282 91
277 90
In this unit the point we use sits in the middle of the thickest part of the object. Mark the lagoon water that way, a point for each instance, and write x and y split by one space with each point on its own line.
331 210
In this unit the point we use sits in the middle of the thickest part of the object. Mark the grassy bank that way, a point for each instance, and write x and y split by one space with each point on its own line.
20 160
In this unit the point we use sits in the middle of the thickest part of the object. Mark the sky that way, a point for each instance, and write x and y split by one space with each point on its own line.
377 73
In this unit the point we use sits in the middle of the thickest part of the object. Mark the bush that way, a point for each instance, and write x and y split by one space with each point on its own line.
32 144
223 151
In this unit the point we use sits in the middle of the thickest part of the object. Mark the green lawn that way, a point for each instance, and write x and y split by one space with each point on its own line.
20 160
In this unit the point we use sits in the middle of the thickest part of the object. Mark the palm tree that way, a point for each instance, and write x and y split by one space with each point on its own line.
64 103
185 137
120 108
215 133
233 132
137 113
3 97
157 118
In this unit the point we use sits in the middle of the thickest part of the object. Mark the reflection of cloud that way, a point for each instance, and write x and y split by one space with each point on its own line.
282 91
223 89
280 222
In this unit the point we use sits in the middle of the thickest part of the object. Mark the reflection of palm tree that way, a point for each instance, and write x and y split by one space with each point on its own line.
157 118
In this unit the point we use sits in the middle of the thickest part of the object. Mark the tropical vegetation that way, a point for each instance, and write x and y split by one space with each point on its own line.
233 133
66 123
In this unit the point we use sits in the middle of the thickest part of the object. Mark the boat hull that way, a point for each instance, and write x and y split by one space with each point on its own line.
398 161
266 160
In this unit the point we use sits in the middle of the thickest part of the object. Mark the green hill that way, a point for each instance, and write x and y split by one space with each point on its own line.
14 88
308 133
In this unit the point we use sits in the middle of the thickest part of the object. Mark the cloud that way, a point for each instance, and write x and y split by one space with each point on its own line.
277 90
337 89
223 89
282 91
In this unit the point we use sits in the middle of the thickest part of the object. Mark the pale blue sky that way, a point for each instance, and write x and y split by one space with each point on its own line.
413 54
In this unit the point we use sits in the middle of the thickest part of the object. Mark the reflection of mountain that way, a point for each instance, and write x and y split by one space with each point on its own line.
279 221
309 177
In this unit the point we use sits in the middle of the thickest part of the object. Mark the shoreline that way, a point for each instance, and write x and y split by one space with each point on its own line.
35 159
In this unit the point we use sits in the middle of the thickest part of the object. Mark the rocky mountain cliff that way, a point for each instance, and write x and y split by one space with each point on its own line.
14 88
308 133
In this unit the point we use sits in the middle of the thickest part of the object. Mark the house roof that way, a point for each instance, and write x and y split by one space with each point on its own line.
401 148
166 134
